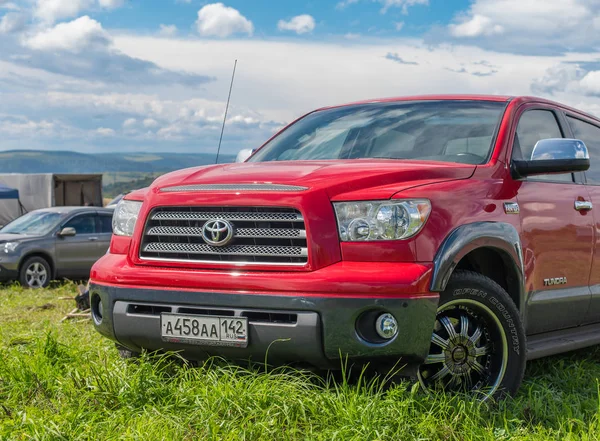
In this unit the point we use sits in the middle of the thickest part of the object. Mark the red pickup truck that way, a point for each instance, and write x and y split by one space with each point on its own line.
451 234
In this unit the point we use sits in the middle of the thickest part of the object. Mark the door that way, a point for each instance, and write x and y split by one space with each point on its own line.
557 239
104 232
589 132
75 255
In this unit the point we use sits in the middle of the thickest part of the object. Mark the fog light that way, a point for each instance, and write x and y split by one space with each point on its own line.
386 326
96 307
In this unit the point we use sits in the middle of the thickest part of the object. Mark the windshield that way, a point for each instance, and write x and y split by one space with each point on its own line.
36 223
451 131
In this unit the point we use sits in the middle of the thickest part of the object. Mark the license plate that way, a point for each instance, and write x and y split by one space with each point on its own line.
204 330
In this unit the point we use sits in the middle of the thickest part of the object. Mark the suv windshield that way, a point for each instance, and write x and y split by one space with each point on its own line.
450 131
36 223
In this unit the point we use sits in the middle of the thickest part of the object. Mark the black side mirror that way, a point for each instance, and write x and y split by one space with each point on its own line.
556 155
67 232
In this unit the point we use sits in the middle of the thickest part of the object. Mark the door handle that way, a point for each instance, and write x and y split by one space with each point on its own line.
93 239
583 205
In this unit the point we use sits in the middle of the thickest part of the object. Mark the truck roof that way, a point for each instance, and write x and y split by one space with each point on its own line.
496 98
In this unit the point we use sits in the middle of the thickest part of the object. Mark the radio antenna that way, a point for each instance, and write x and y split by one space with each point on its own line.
226 109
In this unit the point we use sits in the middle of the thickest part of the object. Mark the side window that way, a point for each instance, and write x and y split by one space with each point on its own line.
104 223
535 125
590 135
83 224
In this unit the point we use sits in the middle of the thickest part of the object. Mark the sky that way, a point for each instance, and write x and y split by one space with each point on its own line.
153 75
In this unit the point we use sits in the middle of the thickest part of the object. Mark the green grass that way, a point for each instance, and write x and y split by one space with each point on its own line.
62 381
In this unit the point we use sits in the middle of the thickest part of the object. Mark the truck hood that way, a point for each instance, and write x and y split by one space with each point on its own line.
342 180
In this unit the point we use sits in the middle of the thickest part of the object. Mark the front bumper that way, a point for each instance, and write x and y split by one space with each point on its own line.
320 324
9 268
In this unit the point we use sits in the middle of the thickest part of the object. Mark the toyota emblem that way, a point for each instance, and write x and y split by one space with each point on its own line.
217 232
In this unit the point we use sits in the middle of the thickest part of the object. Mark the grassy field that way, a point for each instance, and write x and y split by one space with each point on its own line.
62 381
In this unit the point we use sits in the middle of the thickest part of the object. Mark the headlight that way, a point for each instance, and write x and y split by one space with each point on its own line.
381 220
125 217
10 247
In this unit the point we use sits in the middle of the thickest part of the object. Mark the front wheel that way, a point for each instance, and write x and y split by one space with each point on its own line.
35 273
478 342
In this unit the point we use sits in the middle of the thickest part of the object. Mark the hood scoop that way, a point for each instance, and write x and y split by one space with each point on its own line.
232 187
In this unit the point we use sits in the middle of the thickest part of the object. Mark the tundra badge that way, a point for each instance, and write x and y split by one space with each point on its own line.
555 281
511 208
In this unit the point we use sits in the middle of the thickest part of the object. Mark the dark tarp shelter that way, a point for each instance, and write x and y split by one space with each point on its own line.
9 197
8 193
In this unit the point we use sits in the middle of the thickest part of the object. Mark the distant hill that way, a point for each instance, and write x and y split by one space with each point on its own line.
113 189
36 161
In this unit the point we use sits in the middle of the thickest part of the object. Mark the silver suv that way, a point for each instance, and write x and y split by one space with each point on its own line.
53 243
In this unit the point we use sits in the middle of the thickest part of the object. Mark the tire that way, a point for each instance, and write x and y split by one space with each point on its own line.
478 342
35 273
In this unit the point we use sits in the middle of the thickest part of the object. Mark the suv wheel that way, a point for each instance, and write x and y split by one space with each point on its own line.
478 343
35 273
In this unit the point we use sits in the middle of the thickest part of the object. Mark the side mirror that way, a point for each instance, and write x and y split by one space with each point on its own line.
67 232
243 155
556 155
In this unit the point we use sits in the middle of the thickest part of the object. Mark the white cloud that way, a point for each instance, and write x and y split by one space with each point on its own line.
581 78
475 26
530 25
73 36
168 30
9 5
12 22
344 3
218 20
25 125
50 11
149 123
346 71
129 123
399 25
189 118
104 131
301 24
404 4
20 127
387 4
111 4
590 83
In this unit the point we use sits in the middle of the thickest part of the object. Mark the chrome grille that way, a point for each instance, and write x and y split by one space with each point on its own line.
229 215
261 236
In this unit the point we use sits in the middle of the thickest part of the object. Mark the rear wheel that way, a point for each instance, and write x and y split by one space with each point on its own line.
35 273
478 341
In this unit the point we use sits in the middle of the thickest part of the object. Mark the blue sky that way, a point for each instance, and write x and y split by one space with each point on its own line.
363 16
153 75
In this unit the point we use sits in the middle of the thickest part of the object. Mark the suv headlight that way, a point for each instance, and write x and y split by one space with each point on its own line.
381 220
125 217
10 247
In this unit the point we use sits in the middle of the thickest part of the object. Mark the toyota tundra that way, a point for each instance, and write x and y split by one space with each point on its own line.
451 234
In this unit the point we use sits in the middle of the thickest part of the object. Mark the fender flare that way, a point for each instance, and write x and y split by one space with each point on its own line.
42 253
466 238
